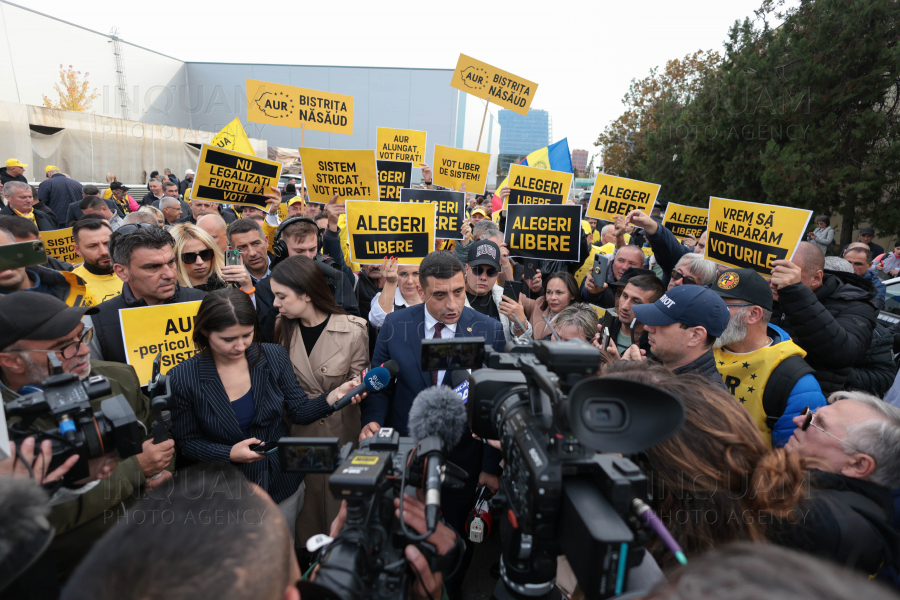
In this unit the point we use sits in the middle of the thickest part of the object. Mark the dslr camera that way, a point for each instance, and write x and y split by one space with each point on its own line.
366 559
563 494
67 401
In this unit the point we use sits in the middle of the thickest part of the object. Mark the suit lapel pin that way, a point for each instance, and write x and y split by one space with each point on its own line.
469 329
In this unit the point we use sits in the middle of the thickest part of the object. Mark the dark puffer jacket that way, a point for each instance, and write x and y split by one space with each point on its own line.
876 371
833 324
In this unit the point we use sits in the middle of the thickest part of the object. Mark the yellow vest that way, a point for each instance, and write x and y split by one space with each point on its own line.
746 375
101 287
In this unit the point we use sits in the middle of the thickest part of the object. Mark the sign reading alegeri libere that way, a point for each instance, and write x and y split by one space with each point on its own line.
494 85
617 196
748 235
683 220
381 229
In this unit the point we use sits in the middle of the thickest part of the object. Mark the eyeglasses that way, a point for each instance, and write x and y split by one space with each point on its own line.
809 421
190 258
678 276
69 350
480 270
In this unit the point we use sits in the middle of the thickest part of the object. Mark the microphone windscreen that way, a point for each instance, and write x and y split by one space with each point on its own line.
438 411
392 366
458 377
377 378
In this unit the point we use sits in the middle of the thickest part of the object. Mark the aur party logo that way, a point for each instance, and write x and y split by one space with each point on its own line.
276 105
474 78
728 281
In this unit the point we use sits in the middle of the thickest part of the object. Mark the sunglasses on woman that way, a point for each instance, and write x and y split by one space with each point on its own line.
190 258
678 276
479 270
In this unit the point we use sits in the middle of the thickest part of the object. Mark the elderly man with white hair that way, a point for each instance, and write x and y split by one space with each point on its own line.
693 269
852 449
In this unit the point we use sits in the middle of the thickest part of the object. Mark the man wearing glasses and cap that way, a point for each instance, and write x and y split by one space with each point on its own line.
848 515
762 368
485 296
32 326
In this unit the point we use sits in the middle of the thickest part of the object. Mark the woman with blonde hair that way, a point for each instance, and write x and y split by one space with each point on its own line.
201 263
120 195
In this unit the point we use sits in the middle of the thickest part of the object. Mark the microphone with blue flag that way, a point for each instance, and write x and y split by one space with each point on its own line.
373 380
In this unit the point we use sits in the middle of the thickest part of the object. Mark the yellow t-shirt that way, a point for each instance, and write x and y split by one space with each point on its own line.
101 287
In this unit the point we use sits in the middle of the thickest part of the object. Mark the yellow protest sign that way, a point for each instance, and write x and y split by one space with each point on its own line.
748 235
493 84
402 145
227 176
529 185
683 221
617 196
349 174
233 137
454 167
282 211
60 244
290 106
379 229
166 328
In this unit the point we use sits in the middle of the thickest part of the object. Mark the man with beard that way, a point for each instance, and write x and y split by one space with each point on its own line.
33 326
759 363
91 238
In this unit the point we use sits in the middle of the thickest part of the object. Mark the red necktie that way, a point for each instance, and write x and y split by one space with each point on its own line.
438 327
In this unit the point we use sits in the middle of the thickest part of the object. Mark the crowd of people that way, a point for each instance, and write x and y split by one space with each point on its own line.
789 384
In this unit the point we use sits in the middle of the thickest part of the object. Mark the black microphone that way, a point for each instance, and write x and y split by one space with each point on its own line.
437 412
374 380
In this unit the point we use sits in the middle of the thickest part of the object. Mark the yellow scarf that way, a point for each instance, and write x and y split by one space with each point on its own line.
28 215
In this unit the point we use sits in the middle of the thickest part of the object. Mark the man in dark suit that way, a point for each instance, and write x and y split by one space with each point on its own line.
443 315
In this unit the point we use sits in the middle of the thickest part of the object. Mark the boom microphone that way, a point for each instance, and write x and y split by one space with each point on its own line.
436 413
373 380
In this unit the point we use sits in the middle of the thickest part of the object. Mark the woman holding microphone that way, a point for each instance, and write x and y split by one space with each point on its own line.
234 395
327 348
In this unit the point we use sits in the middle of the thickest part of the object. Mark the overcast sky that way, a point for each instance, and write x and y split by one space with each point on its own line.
582 54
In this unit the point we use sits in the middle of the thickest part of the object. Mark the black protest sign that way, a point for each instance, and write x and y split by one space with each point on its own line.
227 176
543 231
392 177
451 209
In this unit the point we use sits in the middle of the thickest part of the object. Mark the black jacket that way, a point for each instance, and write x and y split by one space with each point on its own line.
149 199
833 324
875 372
6 177
45 221
74 212
846 520
184 185
59 192
615 326
106 322
705 367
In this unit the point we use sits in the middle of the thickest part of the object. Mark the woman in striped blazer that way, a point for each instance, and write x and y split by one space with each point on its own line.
235 392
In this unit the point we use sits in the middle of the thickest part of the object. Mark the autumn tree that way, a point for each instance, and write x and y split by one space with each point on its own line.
649 103
73 91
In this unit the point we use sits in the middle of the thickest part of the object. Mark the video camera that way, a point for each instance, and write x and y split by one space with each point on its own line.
80 430
563 496
366 559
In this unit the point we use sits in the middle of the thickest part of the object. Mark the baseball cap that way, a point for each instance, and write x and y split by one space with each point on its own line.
690 305
863 231
49 168
115 185
629 273
189 172
744 284
15 162
295 200
480 209
484 252
36 316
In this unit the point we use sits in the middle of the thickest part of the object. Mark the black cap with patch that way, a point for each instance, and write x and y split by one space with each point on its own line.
36 316
744 284
484 252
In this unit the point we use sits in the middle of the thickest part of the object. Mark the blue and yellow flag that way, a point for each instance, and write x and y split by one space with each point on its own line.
555 157
233 137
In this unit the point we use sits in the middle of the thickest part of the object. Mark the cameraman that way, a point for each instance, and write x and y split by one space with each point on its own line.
31 327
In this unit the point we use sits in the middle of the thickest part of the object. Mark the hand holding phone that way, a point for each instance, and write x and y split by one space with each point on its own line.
265 448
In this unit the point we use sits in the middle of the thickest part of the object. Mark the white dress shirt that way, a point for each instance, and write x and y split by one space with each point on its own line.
448 332
377 314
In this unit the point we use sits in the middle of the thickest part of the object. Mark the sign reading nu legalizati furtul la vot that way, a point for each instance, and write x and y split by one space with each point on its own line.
227 176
